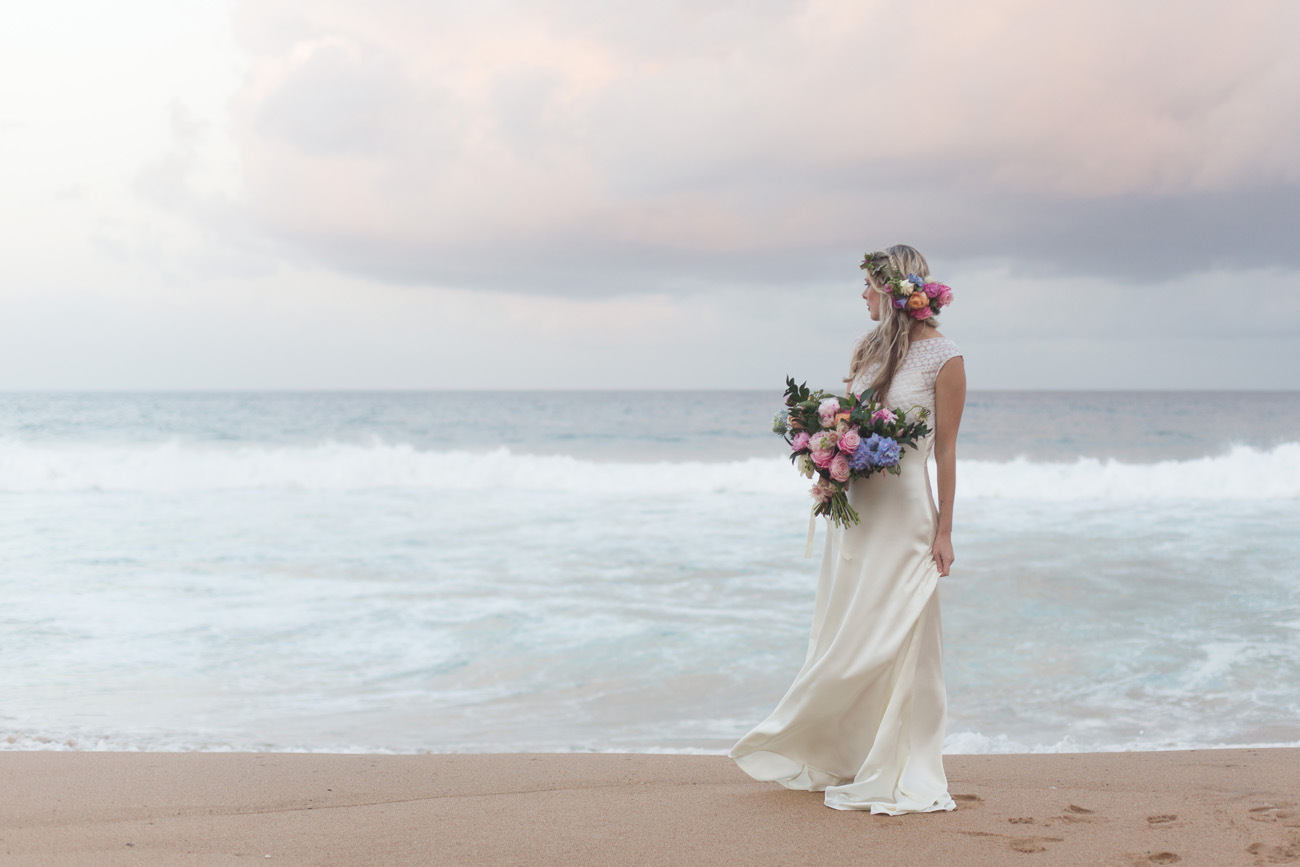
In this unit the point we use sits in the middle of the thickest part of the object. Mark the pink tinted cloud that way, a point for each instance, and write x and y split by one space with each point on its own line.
711 129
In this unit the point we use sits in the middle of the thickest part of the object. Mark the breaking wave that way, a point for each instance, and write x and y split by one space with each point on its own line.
1241 474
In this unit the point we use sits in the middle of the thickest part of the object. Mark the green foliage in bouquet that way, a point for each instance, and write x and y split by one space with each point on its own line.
836 439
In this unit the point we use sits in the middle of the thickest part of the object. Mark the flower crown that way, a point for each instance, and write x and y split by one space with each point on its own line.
921 299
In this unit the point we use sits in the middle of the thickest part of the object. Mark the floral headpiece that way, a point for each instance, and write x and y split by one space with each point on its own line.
921 299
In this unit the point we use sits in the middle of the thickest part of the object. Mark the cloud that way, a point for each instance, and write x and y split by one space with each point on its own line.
231 239
578 148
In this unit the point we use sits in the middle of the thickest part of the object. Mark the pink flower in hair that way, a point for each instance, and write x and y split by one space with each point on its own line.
922 313
945 297
933 289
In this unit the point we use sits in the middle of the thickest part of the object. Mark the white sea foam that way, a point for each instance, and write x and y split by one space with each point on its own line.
1242 474
341 467
960 743
976 744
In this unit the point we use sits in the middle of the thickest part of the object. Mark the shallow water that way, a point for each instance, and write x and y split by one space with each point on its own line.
405 572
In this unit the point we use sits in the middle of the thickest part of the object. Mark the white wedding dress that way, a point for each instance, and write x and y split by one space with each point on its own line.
864 719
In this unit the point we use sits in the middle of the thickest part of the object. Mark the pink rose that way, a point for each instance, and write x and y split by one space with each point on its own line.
922 313
885 414
800 441
850 441
933 289
823 457
840 468
945 297
823 440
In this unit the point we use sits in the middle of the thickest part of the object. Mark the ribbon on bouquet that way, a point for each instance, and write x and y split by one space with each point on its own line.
837 544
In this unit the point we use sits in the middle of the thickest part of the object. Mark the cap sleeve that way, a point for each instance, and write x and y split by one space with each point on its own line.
948 352
943 352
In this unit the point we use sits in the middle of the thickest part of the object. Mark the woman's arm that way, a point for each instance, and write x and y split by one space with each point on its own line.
949 400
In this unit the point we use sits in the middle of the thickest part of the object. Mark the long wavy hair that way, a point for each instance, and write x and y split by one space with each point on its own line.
889 341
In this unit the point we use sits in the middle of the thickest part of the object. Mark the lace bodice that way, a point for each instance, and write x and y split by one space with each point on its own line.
913 384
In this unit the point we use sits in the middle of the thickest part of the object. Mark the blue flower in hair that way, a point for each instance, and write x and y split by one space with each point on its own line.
915 280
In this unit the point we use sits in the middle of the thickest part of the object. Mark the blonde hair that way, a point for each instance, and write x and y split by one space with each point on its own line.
889 341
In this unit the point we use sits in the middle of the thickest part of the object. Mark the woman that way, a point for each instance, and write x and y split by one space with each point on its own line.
864 719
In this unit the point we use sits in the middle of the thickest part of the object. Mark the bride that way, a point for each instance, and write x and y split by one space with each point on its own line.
864 719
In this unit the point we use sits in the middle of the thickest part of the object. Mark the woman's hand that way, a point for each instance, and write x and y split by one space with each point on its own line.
942 551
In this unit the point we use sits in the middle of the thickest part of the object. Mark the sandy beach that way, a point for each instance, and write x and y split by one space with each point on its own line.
1217 807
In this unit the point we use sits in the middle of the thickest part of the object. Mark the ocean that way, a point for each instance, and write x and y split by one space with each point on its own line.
618 571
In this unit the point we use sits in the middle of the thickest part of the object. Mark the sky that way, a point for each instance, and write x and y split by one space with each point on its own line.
283 194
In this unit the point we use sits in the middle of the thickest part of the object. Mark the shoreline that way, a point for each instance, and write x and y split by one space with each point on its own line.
1220 806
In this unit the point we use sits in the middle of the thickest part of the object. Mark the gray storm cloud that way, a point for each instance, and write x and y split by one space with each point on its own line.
570 148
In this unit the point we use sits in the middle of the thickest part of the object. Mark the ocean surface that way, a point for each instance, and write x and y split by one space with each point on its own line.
572 571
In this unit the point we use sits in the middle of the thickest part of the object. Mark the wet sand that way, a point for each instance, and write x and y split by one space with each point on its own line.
1216 807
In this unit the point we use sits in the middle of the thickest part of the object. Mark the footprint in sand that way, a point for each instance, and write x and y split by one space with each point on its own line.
1164 858
1272 813
968 800
1074 815
1023 820
1162 819
1026 845
1030 845
1287 853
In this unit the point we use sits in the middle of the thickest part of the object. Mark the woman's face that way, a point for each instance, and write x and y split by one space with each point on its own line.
874 298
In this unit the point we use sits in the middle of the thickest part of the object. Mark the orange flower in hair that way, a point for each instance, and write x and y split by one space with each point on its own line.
917 300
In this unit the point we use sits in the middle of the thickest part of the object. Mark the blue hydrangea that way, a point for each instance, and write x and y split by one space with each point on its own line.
861 457
882 451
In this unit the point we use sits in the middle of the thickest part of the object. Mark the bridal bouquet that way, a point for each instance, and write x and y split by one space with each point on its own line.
835 439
